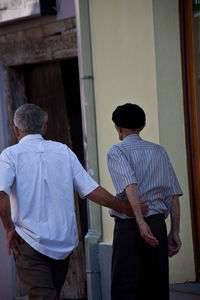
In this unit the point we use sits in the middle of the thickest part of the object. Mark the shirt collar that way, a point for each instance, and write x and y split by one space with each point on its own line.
132 137
30 137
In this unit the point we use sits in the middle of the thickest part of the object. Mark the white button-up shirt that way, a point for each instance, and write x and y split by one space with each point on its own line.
39 176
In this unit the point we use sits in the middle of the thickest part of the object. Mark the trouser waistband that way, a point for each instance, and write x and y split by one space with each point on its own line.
133 220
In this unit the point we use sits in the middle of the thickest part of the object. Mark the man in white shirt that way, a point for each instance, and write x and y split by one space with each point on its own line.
40 222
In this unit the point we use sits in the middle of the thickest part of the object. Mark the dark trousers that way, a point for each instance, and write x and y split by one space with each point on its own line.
41 276
139 271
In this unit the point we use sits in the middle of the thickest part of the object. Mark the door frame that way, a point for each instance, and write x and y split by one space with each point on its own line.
191 121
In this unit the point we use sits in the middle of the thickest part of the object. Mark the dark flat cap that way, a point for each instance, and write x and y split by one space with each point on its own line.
129 116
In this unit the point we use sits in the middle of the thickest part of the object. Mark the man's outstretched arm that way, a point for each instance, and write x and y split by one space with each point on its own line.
174 242
103 197
9 227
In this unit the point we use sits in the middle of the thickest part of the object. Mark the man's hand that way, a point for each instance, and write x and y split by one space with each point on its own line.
12 241
145 231
143 206
174 244
146 234
5 214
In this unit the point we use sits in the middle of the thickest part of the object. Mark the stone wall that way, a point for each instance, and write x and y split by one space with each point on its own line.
40 44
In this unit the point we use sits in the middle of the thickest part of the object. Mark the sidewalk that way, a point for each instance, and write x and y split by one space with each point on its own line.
185 291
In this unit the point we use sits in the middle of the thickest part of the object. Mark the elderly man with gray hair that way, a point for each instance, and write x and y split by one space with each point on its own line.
37 178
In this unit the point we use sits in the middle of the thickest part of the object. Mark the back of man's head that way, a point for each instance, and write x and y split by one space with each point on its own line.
129 116
30 119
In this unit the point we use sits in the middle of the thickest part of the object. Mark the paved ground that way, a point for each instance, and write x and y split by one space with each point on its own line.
186 291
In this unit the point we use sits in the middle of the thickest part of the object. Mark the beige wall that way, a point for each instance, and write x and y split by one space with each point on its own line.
134 62
124 70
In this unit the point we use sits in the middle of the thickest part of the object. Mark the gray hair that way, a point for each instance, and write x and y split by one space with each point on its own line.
30 119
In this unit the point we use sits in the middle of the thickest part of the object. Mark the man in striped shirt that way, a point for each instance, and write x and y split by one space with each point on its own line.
142 170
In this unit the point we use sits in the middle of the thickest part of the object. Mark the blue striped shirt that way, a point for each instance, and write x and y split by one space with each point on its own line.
146 164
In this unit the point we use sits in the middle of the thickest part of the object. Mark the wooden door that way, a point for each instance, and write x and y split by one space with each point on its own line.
44 87
190 36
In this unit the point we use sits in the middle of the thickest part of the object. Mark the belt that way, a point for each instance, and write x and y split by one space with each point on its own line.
117 219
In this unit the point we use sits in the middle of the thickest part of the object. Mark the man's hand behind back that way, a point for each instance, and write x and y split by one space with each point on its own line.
147 235
144 208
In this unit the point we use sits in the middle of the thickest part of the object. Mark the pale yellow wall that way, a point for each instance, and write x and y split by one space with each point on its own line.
124 70
129 65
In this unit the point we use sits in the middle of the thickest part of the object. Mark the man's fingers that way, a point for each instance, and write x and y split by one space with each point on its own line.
173 250
12 243
174 245
172 253
147 235
151 240
150 235
142 201
15 251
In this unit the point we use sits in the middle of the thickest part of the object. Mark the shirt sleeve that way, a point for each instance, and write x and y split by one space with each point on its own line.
83 182
7 172
175 186
121 172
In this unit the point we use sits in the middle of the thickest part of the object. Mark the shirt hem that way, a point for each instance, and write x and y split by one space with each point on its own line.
41 249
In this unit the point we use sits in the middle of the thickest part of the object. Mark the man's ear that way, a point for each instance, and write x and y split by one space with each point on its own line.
118 128
143 126
44 129
17 131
